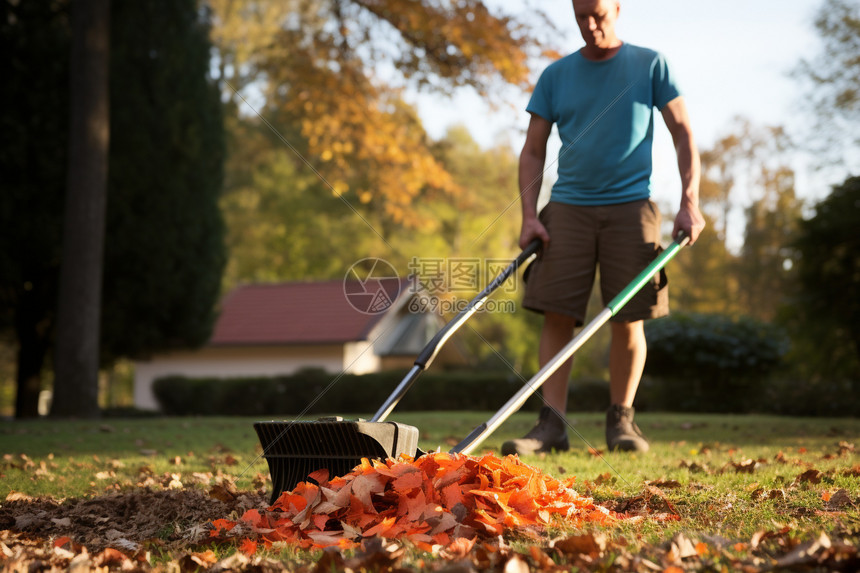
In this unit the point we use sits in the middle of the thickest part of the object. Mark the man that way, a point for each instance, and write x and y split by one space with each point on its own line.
600 215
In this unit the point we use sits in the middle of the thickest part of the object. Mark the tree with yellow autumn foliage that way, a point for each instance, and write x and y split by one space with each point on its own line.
336 71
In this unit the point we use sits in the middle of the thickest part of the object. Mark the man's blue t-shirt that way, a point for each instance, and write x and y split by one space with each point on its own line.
604 114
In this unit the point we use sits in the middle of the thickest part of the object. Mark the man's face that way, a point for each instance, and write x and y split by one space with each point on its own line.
596 20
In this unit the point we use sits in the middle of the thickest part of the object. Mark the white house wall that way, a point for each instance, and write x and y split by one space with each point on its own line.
359 358
231 362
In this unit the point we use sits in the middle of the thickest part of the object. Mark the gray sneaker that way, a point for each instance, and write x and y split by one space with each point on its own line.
622 433
550 433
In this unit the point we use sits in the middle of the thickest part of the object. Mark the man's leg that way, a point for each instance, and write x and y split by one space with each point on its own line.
550 432
627 353
626 361
556 333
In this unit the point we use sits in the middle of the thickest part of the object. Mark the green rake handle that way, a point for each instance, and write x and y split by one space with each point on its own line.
483 431
630 291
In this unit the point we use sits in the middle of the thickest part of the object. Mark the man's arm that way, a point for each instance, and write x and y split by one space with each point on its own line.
689 219
532 160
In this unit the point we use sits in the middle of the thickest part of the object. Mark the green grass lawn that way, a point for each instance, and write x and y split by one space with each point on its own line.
728 478
77 459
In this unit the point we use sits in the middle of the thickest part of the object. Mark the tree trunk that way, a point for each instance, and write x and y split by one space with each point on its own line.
76 355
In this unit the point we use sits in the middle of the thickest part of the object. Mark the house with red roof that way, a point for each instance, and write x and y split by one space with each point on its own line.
278 329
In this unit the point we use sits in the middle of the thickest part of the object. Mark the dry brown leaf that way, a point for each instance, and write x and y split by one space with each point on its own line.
542 561
811 476
460 548
650 489
225 491
839 501
665 484
852 471
760 536
110 557
516 564
681 547
590 544
774 494
809 553
747 466
695 467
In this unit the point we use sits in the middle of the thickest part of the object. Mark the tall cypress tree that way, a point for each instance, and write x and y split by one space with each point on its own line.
34 104
164 251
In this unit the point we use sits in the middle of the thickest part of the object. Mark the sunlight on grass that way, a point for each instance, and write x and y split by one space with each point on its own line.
719 478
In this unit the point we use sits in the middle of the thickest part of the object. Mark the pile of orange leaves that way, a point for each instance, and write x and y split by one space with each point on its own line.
431 501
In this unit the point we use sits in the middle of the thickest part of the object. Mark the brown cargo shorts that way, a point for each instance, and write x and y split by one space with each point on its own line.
619 240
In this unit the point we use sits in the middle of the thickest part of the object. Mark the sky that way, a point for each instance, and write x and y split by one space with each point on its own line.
732 57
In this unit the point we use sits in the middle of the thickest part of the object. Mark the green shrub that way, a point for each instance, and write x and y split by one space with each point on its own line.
710 363
316 392
588 395
791 396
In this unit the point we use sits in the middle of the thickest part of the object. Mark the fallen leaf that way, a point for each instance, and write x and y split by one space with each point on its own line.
695 467
18 496
811 476
225 491
460 548
808 553
590 544
235 562
110 556
839 501
761 535
543 561
665 484
433 500
205 559
248 547
774 494
747 466
682 547
846 448
852 472
516 564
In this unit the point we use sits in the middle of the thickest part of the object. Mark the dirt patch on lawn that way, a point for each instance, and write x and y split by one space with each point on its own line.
126 520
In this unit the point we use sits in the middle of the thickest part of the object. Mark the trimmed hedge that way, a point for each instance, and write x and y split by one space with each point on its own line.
696 363
711 363
322 393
